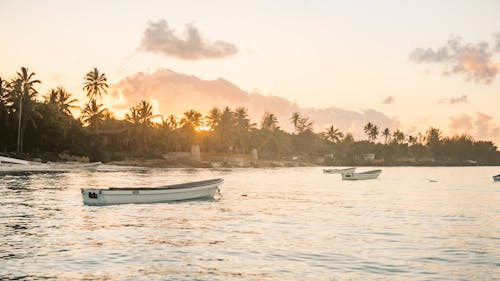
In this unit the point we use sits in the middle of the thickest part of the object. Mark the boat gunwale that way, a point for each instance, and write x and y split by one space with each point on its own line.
366 172
172 186
338 170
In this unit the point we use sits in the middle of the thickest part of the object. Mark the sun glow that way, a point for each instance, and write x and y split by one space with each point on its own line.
158 119
202 128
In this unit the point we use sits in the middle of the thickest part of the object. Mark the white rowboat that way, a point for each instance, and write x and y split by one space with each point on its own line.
339 171
4 159
33 167
373 174
137 195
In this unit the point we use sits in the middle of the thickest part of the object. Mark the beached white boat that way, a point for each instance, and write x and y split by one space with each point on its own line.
136 195
339 171
496 178
10 160
13 165
373 174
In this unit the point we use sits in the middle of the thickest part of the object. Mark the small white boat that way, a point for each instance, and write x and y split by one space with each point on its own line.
339 171
496 178
12 165
137 195
10 160
368 175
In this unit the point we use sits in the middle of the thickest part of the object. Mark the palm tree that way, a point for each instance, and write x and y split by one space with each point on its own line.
93 114
434 141
62 99
22 95
269 121
227 121
213 118
133 116
4 99
141 116
433 136
51 96
373 134
412 140
65 102
368 127
191 118
305 125
301 123
95 84
398 137
243 123
145 113
171 122
333 134
295 120
387 134
4 110
225 130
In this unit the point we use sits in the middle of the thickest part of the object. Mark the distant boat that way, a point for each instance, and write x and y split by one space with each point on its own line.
339 171
137 195
373 174
496 178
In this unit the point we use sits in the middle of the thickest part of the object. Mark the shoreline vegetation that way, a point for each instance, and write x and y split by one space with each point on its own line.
43 127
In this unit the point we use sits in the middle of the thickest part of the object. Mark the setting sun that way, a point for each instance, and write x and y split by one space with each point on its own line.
203 128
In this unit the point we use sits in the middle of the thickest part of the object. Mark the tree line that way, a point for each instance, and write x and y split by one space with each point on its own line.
44 126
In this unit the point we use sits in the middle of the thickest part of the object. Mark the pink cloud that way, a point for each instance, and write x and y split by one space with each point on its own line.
176 93
473 60
481 126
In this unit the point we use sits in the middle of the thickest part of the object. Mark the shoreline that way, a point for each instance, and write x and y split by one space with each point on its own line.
189 163
245 161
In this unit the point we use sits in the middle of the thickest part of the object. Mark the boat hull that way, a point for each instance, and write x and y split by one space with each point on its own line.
187 191
362 176
7 168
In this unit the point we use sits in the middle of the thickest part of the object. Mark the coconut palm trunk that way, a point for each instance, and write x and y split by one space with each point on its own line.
19 139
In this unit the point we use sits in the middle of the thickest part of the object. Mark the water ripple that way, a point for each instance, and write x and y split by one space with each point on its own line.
269 224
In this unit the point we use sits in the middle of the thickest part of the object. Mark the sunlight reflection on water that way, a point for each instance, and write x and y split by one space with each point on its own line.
268 224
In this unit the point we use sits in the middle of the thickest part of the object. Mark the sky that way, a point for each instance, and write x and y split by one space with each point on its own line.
419 63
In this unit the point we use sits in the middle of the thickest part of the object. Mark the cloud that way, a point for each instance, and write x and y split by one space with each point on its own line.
480 127
461 99
461 123
473 60
160 38
455 100
177 93
485 128
388 100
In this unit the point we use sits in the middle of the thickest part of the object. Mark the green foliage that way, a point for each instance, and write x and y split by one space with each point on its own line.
301 123
48 128
269 122
94 114
95 84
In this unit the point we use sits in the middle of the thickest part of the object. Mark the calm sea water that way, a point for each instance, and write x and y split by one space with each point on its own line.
268 224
